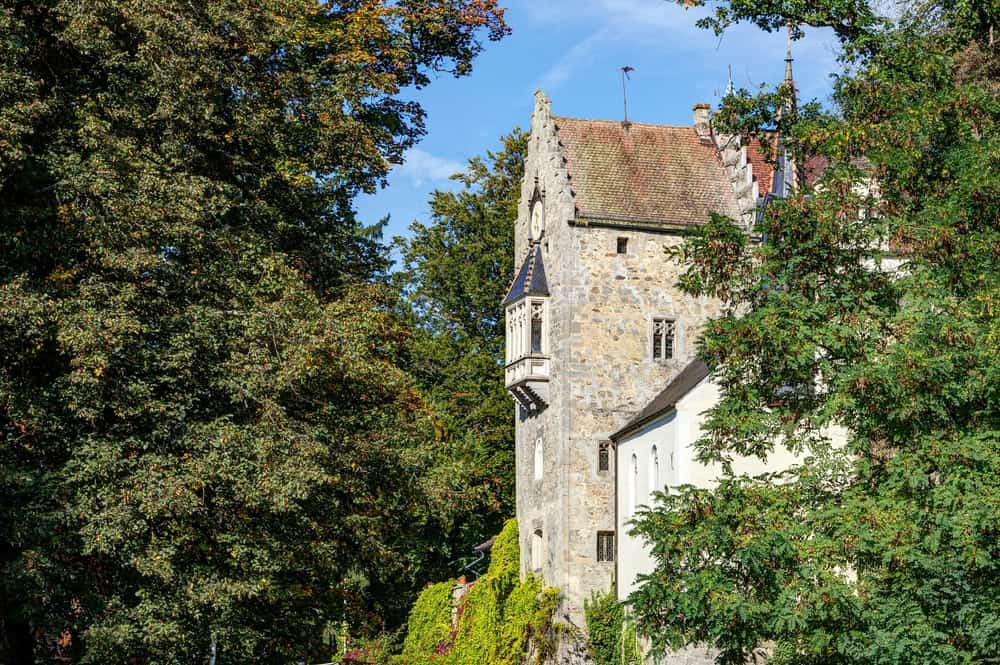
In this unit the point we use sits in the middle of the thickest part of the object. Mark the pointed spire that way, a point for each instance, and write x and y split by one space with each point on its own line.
792 103
788 58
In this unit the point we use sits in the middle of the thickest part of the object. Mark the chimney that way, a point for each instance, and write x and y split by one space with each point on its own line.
701 120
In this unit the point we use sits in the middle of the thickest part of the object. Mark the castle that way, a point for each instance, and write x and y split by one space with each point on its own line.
600 342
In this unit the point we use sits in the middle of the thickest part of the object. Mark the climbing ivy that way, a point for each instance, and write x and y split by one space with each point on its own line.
429 625
612 639
498 620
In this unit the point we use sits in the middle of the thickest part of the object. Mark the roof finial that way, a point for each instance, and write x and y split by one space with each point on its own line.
625 77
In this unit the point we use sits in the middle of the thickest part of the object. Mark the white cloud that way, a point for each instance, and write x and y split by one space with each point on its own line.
652 21
421 167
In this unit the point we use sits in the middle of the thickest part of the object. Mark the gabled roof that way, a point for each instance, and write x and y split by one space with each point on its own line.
657 175
530 280
682 384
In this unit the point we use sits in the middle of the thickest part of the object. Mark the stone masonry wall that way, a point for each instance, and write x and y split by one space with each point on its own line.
600 317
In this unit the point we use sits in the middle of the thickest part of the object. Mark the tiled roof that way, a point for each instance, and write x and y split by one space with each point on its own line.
763 172
648 174
530 280
693 374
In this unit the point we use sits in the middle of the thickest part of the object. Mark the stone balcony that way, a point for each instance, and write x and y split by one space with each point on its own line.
527 380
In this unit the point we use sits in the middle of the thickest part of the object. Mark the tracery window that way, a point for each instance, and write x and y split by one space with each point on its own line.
663 338
604 456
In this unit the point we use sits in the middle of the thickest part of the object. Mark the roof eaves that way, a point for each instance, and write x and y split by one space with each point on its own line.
688 379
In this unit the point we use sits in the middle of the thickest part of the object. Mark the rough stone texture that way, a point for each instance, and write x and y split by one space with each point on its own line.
600 313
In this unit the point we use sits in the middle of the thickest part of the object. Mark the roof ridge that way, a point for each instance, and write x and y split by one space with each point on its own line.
619 122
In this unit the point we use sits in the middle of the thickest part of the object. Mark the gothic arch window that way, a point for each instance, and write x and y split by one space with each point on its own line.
654 472
537 550
539 459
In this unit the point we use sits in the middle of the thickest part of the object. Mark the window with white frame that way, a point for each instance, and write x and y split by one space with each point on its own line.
663 338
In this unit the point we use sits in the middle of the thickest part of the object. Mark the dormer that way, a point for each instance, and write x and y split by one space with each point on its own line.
527 312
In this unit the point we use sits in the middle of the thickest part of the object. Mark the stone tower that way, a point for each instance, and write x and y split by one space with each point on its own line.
595 325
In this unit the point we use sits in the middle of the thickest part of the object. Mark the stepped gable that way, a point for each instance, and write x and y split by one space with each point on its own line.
649 175
530 280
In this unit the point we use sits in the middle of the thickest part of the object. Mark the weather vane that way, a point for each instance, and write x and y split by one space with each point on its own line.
625 77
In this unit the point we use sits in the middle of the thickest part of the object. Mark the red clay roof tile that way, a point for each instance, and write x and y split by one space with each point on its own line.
653 174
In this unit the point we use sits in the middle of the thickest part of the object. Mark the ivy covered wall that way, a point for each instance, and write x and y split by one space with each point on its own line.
498 618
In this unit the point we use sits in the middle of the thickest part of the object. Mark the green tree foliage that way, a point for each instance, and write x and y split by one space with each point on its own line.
205 436
885 551
456 271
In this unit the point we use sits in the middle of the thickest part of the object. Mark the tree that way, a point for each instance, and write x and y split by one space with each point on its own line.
456 272
885 551
206 442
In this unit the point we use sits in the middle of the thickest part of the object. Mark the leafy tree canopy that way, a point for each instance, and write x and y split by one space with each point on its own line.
870 304
456 272
206 439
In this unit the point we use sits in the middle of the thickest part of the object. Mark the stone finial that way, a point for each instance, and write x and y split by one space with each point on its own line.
701 119
543 105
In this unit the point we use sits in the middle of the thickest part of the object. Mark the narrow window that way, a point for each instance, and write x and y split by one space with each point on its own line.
654 472
623 245
663 339
605 545
633 482
537 310
539 459
604 456
537 553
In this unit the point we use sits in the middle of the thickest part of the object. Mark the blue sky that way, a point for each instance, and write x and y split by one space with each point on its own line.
574 49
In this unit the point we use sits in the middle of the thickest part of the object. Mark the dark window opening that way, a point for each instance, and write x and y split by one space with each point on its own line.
605 545
623 245
604 456
663 339
536 335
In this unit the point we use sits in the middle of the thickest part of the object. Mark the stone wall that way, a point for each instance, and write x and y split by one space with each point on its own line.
602 372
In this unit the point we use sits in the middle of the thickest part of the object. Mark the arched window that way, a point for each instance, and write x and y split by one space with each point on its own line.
539 459
537 550
654 472
633 482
